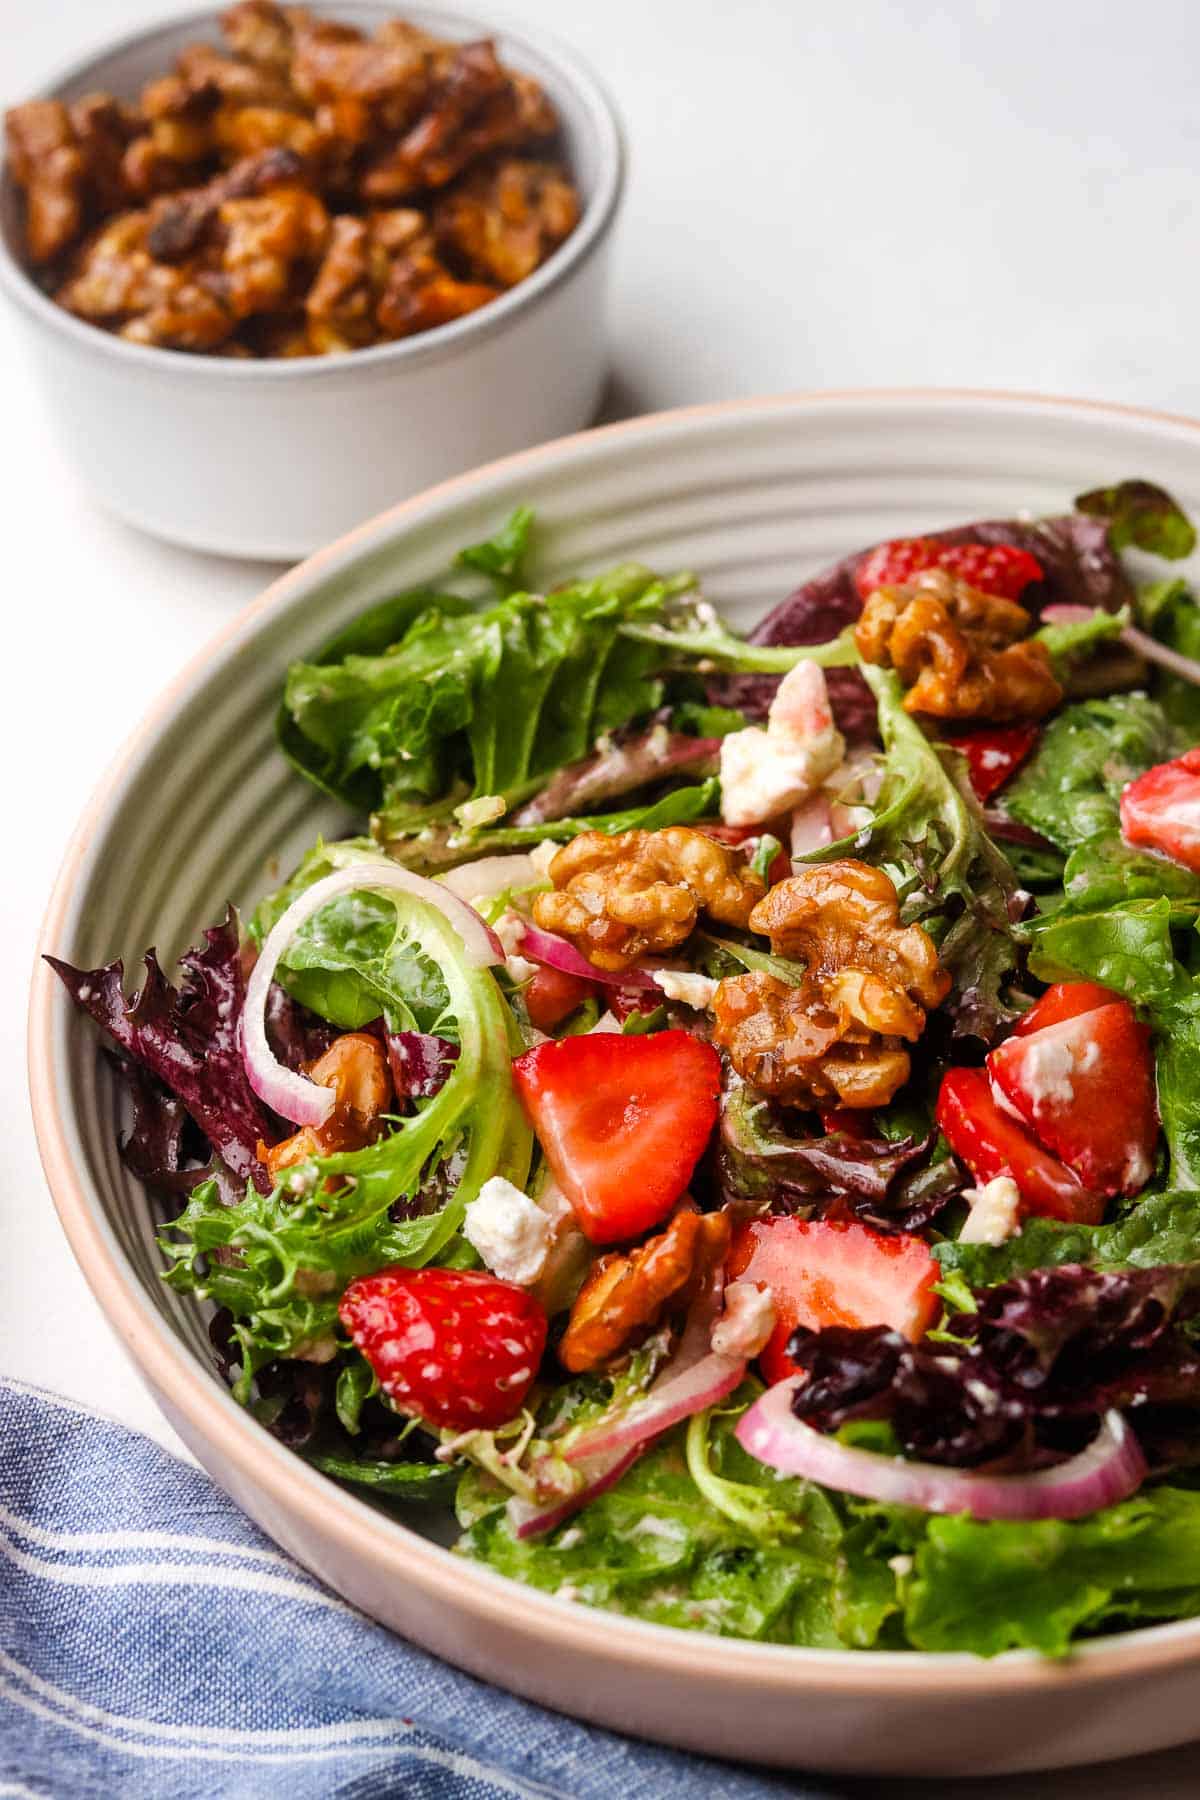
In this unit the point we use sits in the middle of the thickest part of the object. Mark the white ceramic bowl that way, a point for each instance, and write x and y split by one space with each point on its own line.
754 496
271 459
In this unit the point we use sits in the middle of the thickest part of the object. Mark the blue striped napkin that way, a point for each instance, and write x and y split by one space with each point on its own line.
154 1643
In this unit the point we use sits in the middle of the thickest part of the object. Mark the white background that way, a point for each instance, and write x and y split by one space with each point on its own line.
823 193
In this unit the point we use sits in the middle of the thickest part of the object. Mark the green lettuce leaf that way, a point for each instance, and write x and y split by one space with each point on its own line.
1162 1228
1168 611
998 1586
760 1565
1069 789
1076 640
353 961
436 848
298 1246
468 704
1142 515
700 1535
503 558
415 1483
1070 792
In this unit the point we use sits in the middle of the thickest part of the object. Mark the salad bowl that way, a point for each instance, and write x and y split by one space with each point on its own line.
201 808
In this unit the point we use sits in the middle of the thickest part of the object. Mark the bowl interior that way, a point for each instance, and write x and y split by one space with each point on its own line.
588 128
753 497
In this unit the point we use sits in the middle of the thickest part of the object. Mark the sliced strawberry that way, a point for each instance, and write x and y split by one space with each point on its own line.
623 1122
994 753
824 1272
999 569
991 1142
1065 1000
1085 1088
552 995
895 563
1161 810
456 1347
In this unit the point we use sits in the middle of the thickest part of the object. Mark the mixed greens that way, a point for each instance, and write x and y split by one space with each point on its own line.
546 1147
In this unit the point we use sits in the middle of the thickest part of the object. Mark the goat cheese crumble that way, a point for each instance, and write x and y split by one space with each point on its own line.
995 1212
747 1321
767 771
689 989
510 1231
1048 1067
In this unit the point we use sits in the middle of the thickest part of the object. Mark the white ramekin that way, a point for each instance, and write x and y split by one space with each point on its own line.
271 459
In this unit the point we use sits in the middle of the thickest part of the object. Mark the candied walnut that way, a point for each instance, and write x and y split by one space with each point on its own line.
353 277
368 121
103 130
617 897
475 108
961 654
421 293
48 165
834 1037
179 223
238 81
261 33
242 130
389 76
504 221
118 283
627 1292
355 1066
264 241
180 114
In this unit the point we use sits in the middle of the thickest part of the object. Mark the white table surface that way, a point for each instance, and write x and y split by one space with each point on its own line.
822 195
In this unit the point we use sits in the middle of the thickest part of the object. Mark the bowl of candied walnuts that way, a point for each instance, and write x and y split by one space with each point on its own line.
283 268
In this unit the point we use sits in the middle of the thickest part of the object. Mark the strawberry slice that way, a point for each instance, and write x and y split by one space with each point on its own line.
998 569
1085 1088
994 753
552 995
456 1347
623 1122
1064 1000
1161 810
991 1142
826 1272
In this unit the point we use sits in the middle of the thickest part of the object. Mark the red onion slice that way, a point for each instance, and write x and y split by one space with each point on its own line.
489 875
1140 642
695 1377
529 1519
812 824
1110 1469
1066 612
556 953
292 1095
671 1398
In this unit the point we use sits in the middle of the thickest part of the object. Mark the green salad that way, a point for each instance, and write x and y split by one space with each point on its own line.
719 1136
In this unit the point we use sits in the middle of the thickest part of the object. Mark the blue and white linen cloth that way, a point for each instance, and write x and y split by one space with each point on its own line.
154 1644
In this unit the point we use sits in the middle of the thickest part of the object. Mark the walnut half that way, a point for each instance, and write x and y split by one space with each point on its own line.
617 897
835 1038
355 1067
627 1292
961 654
